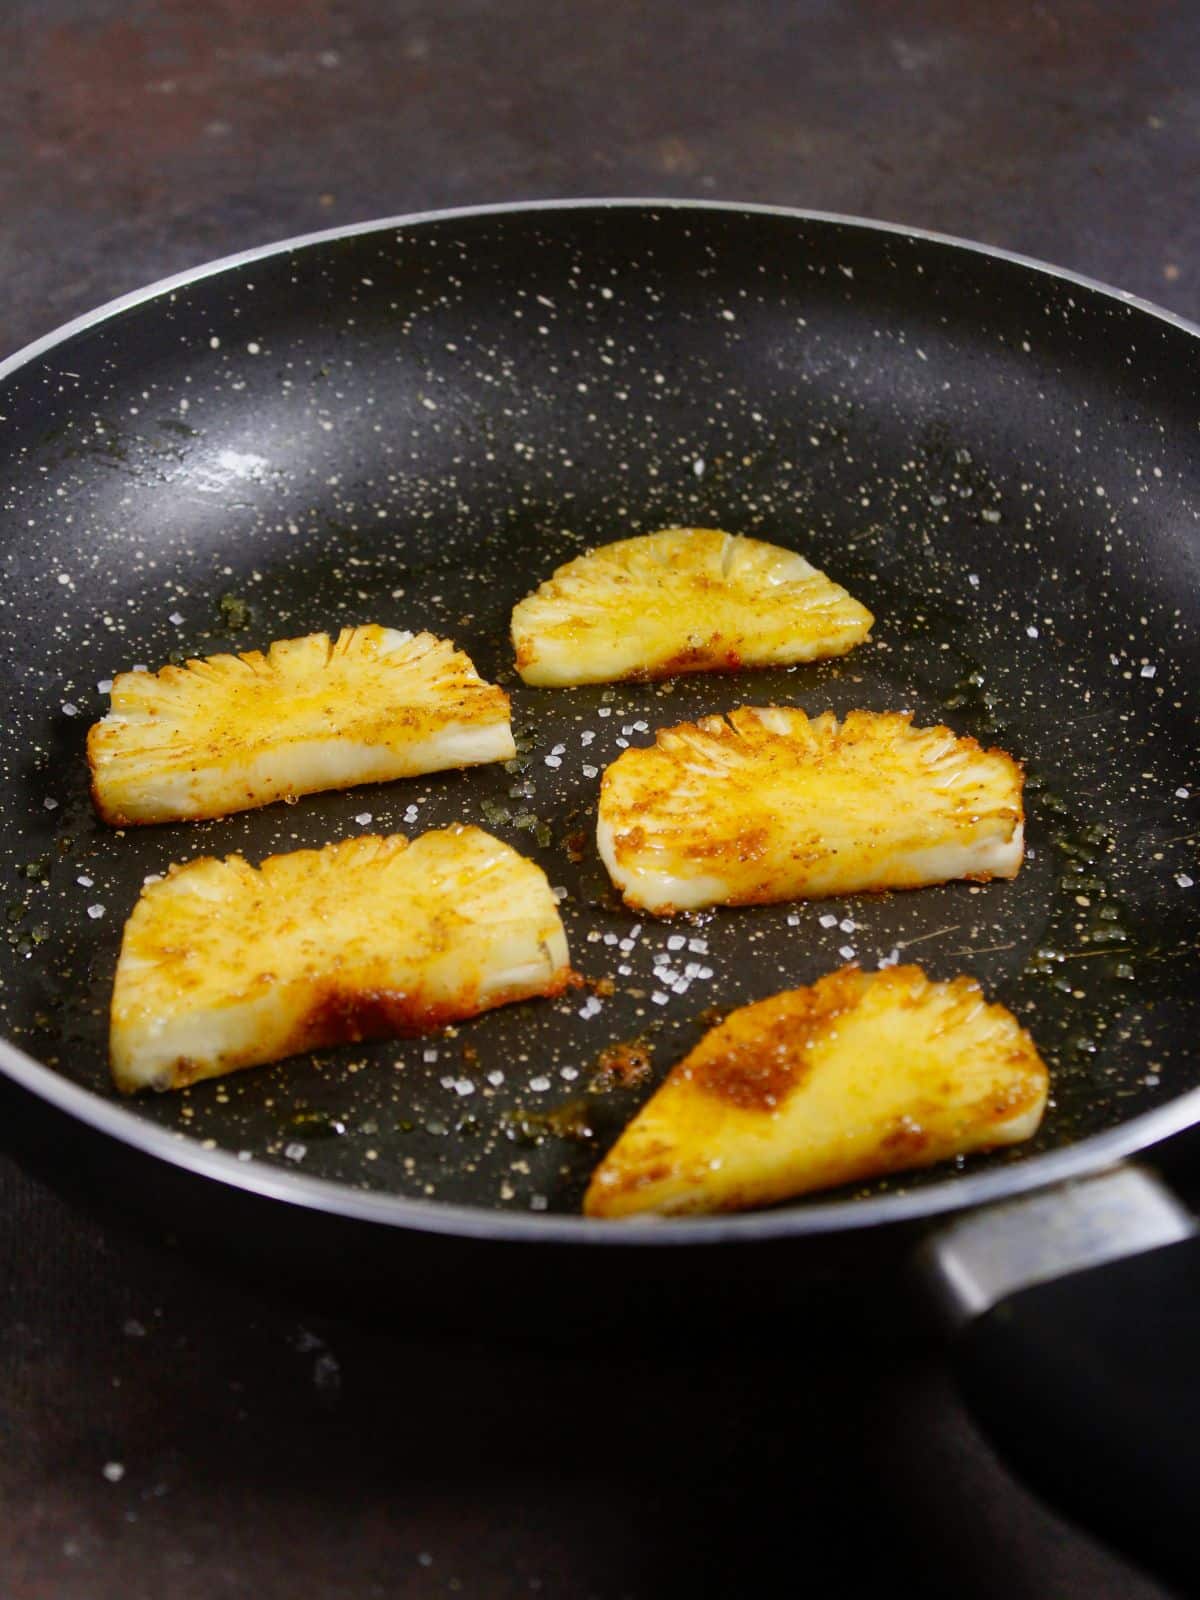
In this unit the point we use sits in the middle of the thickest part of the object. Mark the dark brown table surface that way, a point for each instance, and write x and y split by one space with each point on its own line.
165 1432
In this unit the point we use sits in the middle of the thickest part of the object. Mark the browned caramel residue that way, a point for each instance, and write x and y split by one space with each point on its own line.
625 1065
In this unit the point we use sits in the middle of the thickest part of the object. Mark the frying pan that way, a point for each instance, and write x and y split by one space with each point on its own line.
412 422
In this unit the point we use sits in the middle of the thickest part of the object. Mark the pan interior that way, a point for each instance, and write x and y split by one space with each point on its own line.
413 425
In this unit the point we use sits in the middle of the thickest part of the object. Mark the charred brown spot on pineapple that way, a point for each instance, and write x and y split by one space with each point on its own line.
905 1141
710 657
348 1015
760 1054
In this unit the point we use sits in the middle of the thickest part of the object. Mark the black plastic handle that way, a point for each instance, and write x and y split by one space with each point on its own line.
1089 1386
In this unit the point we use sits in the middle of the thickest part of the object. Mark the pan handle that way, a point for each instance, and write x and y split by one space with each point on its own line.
1077 1319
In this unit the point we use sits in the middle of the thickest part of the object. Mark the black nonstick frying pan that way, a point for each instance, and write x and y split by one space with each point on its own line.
414 421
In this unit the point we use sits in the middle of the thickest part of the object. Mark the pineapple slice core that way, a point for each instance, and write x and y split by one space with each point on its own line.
233 732
766 804
224 965
683 600
860 1075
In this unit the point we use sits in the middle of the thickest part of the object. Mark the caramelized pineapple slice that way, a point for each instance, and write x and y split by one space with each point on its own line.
224 965
860 1075
768 805
231 732
684 600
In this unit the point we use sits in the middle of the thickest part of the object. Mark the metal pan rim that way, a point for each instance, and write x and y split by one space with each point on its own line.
179 280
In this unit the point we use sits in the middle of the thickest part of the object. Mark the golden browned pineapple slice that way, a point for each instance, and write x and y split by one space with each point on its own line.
231 732
860 1075
225 965
684 600
768 805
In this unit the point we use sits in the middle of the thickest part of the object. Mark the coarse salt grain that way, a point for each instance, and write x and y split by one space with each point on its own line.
605 711
175 618
447 1080
84 881
538 1202
587 736
1182 879
70 709
625 970
568 1073
698 947
1032 631
847 924
463 1087
104 686
429 1055
847 952
95 912
659 998
540 1083
50 804
114 1471
793 920
827 920
1148 671
559 749
1182 794
363 818
295 1151
676 942
553 761
495 1077
591 772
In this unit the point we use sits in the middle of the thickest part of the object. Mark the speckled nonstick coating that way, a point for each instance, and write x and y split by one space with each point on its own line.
414 423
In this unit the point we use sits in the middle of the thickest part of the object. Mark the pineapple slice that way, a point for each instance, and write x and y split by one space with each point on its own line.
860 1075
684 600
231 732
768 805
224 965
